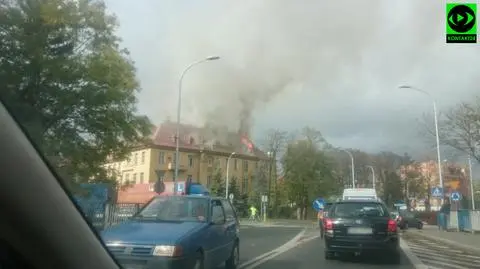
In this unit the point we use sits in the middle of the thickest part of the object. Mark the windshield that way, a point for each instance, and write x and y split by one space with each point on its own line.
175 208
270 104
346 210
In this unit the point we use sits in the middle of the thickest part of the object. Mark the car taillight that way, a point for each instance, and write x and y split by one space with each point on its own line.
392 226
328 224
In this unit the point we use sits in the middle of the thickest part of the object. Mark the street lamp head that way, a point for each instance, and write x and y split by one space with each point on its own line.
405 87
212 58
233 153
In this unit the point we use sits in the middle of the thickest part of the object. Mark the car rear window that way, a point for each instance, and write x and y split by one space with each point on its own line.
358 209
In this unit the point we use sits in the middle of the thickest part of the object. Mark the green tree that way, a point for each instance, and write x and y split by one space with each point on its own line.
217 187
274 145
69 84
308 172
234 189
393 188
259 184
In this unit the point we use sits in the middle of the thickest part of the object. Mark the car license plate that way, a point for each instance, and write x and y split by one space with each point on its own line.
360 230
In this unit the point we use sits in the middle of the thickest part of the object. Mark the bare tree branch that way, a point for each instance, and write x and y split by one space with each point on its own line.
459 128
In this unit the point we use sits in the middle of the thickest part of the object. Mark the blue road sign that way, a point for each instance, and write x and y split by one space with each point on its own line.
180 187
318 204
455 196
437 192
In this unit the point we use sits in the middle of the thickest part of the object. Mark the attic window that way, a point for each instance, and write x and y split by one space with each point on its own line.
172 138
192 141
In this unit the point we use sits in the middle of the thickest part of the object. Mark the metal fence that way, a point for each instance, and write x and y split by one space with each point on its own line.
464 220
102 216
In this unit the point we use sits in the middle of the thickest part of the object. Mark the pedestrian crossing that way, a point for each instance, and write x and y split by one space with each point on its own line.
436 255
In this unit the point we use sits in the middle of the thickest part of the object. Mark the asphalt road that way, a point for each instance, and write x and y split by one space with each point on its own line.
298 248
255 241
309 255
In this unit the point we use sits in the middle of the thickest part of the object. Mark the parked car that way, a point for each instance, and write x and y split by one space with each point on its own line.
406 219
361 226
178 231
326 208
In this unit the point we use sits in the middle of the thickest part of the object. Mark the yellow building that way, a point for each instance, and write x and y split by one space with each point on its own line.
202 153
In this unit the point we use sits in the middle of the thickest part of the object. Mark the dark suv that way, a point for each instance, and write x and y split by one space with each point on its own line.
361 227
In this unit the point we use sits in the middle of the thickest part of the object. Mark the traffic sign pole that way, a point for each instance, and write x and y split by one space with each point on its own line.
264 207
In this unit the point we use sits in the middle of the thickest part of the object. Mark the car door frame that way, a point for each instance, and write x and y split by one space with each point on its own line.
231 226
37 184
217 235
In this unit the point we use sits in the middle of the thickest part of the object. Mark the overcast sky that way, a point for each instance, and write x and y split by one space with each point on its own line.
333 65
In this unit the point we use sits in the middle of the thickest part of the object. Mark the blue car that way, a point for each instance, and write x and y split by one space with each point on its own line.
183 232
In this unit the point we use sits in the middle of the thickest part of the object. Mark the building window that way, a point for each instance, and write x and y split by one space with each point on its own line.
192 141
209 181
127 177
189 177
141 178
190 160
143 157
135 159
235 165
245 166
134 178
245 184
161 157
210 160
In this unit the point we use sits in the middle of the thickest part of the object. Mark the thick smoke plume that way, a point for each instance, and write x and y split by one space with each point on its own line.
272 46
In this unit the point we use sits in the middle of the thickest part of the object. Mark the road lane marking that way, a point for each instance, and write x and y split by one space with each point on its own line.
252 263
417 263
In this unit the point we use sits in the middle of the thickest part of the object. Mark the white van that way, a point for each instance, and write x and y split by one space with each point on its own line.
359 194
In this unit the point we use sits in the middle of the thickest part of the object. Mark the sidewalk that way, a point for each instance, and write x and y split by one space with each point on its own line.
456 239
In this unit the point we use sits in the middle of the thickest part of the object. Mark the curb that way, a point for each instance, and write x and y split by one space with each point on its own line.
468 248
416 262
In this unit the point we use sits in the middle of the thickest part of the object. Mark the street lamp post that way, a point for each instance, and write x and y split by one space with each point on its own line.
227 179
270 161
271 156
179 108
353 166
373 175
472 191
439 158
